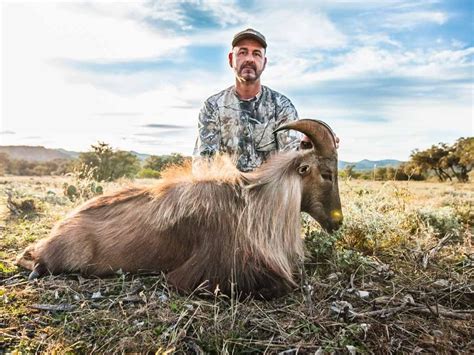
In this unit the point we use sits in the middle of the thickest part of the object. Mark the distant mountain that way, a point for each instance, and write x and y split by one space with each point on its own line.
70 153
140 156
370 164
33 153
38 153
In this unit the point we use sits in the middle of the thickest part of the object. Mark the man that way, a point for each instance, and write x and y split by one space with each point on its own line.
240 120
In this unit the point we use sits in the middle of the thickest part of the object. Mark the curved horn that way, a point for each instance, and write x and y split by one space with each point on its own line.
320 134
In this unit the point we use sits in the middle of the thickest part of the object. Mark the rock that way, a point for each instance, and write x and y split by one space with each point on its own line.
352 349
97 296
362 294
441 283
408 299
341 307
163 297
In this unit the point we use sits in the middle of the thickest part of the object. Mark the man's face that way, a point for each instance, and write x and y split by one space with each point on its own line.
248 60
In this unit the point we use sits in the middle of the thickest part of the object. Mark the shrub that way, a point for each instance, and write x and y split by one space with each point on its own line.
148 173
441 221
105 164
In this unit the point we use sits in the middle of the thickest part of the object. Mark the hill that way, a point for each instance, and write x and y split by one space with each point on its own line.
370 164
39 153
33 153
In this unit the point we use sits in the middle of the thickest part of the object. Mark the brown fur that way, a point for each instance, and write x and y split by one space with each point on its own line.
216 226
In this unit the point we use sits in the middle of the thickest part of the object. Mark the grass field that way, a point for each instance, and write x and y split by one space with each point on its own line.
398 277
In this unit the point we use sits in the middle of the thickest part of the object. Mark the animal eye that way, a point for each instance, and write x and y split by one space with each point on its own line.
326 176
305 145
303 169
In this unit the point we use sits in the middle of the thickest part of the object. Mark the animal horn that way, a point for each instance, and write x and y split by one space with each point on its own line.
319 132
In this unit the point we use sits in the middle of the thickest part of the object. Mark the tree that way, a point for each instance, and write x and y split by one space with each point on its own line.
381 173
4 163
103 164
409 171
446 161
460 158
390 173
124 164
160 162
349 172
430 159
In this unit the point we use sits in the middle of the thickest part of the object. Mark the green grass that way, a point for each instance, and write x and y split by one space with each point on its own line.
398 277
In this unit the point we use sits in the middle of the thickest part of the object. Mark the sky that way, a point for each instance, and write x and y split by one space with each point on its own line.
389 76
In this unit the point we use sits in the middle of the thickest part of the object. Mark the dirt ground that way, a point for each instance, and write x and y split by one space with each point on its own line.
398 277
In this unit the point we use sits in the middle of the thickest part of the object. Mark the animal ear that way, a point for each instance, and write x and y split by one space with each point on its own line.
304 169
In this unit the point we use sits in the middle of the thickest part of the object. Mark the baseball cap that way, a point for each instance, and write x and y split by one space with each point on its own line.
249 33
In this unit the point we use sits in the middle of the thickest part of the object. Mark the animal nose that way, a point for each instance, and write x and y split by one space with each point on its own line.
336 219
336 216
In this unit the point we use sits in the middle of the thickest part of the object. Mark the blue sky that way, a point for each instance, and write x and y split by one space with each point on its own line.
388 75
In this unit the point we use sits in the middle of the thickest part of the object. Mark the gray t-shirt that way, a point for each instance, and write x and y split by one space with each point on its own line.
244 129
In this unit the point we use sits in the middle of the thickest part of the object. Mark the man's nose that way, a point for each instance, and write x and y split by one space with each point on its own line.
249 58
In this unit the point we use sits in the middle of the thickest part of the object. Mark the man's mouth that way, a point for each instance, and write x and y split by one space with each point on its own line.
248 68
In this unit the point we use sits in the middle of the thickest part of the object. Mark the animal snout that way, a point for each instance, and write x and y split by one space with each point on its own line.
336 220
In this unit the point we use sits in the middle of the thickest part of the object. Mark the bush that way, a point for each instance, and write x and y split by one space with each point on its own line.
83 186
441 221
21 205
148 173
104 164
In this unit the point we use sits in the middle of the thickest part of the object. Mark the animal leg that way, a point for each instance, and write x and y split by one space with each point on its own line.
38 271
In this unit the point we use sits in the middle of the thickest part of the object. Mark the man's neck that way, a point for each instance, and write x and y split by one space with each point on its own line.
247 91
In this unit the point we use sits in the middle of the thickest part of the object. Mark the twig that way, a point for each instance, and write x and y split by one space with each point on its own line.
437 310
382 312
434 250
53 307
444 313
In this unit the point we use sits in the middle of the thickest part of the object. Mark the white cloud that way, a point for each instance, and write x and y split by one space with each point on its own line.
65 108
43 101
412 19
375 39
52 30
366 63
411 123
306 30
226 13
309 30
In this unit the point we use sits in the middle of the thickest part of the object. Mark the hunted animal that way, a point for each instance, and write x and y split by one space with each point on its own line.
214 226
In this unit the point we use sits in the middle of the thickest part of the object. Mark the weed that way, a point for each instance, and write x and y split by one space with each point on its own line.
396 278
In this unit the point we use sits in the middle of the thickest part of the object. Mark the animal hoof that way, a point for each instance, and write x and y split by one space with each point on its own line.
33 275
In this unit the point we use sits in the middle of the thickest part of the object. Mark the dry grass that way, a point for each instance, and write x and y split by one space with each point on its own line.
397 278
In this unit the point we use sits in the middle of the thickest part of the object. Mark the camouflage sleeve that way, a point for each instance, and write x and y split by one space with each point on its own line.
287 140
209 135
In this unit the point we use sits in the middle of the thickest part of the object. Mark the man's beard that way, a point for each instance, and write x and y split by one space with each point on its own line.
249 76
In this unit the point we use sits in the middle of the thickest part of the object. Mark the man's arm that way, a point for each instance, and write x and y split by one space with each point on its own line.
287 140
209 134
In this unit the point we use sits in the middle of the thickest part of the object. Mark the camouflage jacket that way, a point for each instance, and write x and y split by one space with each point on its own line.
244 129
